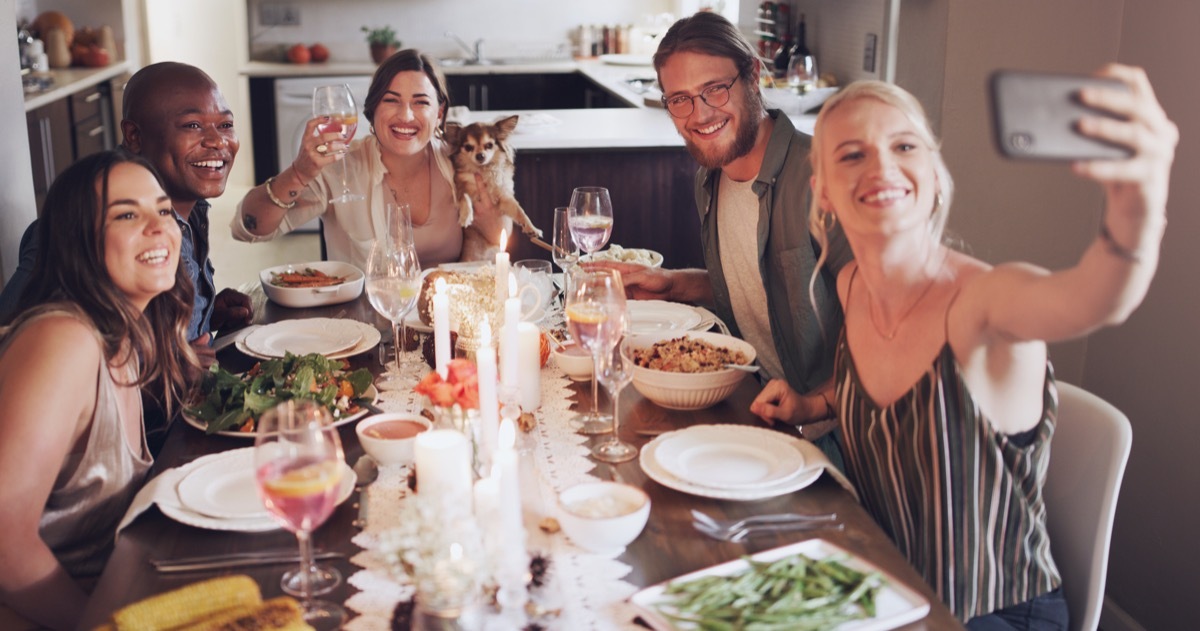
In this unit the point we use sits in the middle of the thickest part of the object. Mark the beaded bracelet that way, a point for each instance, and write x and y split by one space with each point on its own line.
1116 249
275 200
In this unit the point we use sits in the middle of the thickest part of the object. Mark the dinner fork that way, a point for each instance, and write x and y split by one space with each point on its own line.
730 526
737 536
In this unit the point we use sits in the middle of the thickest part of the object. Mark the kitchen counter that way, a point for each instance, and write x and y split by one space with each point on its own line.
68 81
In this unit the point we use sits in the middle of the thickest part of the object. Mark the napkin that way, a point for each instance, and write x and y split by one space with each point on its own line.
162 490
814 458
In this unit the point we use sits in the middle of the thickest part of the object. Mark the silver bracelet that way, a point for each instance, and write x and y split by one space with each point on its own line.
275 200
1116 249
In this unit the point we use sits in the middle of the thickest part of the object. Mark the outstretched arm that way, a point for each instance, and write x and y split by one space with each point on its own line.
264 207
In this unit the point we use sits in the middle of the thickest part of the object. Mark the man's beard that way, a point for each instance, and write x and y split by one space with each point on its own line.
743 141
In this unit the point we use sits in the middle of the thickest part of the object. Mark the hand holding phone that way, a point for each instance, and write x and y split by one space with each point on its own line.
1036 115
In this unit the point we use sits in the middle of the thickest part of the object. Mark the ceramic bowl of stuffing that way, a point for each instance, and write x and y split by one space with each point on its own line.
684 371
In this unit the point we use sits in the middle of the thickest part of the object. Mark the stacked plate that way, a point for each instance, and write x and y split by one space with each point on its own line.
660 316
333 338
218 492
730 462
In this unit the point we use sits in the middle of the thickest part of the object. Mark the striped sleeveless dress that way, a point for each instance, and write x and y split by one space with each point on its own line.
961 501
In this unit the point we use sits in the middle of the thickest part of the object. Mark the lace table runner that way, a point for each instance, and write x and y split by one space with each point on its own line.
587 587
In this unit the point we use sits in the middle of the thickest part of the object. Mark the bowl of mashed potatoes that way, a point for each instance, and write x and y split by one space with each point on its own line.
618 254
603 517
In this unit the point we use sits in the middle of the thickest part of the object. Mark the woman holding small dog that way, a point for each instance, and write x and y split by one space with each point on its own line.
404 160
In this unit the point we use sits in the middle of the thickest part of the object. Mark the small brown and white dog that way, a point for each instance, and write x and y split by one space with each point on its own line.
483 149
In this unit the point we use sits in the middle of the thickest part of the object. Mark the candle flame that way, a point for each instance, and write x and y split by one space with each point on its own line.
503 238
439 285
512 285
485 333
507 436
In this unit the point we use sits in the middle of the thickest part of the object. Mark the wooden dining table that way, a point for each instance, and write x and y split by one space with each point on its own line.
668 547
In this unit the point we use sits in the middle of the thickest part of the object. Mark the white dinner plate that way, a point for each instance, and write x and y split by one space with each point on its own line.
224 488
648 458
302 337
729 457
177 511
369 340
371 393
896 604
659 316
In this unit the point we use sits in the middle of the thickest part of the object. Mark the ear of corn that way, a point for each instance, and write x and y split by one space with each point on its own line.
192 602
279 614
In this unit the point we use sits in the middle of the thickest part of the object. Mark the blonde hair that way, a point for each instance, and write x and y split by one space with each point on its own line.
907 104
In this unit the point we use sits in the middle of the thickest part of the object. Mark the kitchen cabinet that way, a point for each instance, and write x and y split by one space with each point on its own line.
548 91
67 129
652 196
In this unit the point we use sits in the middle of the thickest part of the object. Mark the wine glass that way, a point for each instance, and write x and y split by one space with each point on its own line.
590 217
564 251
337 102
616 372
298 466
802 73
394 281
596 320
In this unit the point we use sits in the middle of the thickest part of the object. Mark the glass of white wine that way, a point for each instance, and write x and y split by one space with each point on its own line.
336 103
393 283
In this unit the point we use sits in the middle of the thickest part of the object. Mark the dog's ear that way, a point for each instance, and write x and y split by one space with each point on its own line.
505 126
453 134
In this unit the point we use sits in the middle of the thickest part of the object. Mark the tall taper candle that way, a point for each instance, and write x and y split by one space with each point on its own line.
529 366
441 327
509 351
502 271
489 412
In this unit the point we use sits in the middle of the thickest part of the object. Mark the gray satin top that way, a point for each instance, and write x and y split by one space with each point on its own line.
96 485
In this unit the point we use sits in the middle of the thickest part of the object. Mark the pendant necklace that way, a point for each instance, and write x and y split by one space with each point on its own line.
888 337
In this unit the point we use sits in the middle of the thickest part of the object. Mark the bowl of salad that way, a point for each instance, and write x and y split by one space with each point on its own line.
315 284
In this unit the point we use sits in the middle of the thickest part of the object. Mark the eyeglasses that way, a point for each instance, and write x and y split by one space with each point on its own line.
682 106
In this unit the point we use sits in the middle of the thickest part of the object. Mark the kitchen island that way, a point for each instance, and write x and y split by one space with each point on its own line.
632 150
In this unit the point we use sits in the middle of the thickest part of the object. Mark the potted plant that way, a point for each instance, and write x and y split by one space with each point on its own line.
383 42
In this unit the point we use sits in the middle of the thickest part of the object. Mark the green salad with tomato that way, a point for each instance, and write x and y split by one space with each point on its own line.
231 402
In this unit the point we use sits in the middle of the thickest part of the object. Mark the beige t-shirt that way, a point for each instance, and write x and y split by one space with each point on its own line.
737 225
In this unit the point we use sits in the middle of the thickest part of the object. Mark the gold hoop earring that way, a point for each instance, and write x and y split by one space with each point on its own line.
938 200
828 220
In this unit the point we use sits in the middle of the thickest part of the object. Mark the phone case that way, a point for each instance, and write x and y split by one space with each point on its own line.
1035 117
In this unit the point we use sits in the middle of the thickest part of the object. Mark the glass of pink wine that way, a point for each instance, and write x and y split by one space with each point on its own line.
337 103
591 217
595 317
298 466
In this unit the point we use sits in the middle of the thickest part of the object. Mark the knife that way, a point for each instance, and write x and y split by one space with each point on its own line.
239 559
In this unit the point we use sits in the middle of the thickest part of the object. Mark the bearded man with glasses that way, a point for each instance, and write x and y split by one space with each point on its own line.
752 194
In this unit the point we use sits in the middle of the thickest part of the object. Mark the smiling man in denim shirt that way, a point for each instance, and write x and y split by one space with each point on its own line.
176 117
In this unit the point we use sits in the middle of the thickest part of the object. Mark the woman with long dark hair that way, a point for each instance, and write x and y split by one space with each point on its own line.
105 316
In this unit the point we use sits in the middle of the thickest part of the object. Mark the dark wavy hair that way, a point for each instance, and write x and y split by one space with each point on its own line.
70 269
409 59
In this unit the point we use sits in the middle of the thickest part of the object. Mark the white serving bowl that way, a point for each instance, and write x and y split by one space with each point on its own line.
300 297
574 360
688 391
389 451
603 516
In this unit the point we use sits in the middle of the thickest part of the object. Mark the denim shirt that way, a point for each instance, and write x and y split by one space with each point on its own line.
193 254
787 255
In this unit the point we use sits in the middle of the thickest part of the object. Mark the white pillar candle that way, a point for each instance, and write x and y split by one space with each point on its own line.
529 366
443 460
506 468
502 271
509 351
441 327
489 414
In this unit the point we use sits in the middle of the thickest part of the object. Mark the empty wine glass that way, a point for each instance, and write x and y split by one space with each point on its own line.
596 320
564 250
394 281
337 103
298 465
591 217
802 73
616 372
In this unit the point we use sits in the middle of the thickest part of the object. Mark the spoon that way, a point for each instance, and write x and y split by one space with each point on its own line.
742 367
366 470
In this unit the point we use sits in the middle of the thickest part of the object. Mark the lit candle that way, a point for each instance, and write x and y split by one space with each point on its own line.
502 271
529 366
443 461
510 489
489 413
441 327
508 338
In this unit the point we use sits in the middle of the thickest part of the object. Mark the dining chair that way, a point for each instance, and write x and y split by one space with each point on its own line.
1087 462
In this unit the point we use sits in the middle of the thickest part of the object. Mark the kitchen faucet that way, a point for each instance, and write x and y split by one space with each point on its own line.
475 52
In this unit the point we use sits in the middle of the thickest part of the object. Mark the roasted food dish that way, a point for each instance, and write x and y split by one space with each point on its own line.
684 354
307 277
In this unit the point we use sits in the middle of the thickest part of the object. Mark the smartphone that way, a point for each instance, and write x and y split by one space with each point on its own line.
1035 117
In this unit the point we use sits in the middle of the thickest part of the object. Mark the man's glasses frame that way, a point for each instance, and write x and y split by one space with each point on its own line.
682 105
